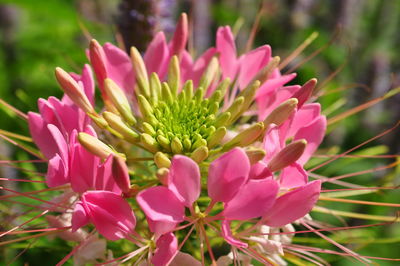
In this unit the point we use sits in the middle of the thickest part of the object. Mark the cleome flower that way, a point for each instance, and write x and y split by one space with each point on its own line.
169 149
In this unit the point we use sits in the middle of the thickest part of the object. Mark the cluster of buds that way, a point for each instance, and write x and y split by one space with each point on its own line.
172 142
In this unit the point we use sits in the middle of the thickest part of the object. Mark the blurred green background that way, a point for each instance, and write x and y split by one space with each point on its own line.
358 37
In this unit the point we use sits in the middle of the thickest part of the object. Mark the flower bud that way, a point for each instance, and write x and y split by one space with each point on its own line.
144 106
216 137
288 155
120 174
94 145
305 92
155 87
246 137
119 100
199 154
255 155
162 160
264 73
74 91
176 145
118 125
97 58
140 71
179 39
149 143
162 175
174 78
281 113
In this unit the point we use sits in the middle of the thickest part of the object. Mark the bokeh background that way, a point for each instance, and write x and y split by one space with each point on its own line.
356 58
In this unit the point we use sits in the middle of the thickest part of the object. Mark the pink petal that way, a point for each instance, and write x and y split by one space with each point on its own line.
271 143
314 134
104 178
293 176
186 66
293 205
79 217
157 55
57 172
304 116
259 170
179 40
119 68
227 235
184 179
227 49
110 213
253 200
227 174
83 169
160 228
61 144
201 64
160 204
41 135
182 258
66 117
86 81
167 248
251 63
271 94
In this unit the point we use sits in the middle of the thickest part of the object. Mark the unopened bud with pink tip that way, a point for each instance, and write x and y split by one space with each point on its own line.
73 90
288 155
305 92
121 174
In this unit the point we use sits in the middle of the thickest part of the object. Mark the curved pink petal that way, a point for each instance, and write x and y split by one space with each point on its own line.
186 67
292 176
304 116
251 63
272 142
227 52
105 177
293 205
79 217
160 204
201 64
314 134
157 55
184 179
110 213
182 258
227 235
259 170
83 169
119 68
41 135
227 174
253 200
167 248
179 40
65 117
61 144
161 227
57 172
271 94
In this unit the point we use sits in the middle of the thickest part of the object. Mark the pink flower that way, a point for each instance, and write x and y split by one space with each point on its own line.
110 213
